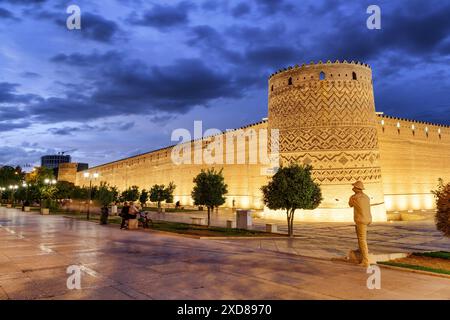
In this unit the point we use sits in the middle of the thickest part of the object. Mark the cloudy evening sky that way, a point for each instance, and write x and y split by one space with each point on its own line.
139 69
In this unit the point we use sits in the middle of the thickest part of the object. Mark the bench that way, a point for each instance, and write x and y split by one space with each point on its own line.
197 220
133 224
271 228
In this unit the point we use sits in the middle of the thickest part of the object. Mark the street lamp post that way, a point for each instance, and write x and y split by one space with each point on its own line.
2 189
90 176
25 185
48 182
13 190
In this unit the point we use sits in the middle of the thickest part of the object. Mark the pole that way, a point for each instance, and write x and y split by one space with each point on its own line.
89 201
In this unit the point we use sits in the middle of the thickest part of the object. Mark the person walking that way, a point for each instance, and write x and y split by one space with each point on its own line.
124 213
360 203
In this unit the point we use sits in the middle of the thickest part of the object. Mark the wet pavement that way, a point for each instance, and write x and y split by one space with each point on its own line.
35 252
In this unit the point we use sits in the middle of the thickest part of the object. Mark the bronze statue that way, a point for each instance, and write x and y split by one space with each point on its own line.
360 203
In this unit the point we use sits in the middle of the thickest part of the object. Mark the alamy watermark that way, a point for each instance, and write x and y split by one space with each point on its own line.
75 273
374 20
74 280
73 21
241 146
374 280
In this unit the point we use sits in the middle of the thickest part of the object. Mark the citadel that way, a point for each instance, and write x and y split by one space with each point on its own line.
325 116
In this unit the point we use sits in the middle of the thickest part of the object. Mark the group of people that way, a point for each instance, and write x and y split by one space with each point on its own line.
129 211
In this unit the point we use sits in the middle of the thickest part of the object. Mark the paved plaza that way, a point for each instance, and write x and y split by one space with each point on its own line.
35 252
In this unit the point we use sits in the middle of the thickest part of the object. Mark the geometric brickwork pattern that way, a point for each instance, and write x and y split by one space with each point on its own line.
323 138
322 104
337 159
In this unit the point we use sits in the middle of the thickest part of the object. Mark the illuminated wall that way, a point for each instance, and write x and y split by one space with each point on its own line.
243 180
413 155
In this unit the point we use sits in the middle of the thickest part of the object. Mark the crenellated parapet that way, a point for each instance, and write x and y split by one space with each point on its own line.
331 73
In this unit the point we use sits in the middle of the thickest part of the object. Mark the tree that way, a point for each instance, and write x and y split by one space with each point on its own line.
10 176
160 193
105 194
442 217
115 193
39 188
292 188
131 194
64 190
143 197
209 190
80 193
39 175
47 194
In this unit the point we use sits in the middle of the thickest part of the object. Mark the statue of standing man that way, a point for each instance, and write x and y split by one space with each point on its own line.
360 203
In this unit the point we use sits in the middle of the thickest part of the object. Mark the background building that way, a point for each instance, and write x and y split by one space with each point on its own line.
68 171
53 161
62 167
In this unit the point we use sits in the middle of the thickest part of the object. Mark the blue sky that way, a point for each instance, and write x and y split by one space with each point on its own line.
139 69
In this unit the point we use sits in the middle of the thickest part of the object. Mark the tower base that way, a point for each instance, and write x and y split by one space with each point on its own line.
326 214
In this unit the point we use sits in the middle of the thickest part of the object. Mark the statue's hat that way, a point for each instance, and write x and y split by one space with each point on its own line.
358 185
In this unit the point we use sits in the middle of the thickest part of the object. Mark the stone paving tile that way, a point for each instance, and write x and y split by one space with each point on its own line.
133 294
3 295
8 267
21 289
105 293
41 262
127 276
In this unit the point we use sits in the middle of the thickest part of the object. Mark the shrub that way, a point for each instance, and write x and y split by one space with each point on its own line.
442 217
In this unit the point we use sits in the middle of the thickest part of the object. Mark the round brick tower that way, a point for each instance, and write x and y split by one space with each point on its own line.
325 114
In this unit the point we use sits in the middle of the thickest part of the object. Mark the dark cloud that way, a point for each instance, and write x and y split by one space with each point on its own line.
402 30
213 43
23 2
9 95
241 9
6 14
210 5
126 87
176 88
97 28
252 35
93 26
11 155
275 56
88 60
9 126
270 7
67 131
164 17
30 75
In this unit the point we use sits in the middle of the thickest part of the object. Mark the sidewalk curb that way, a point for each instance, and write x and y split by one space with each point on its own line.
440 275
186 235
246 238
